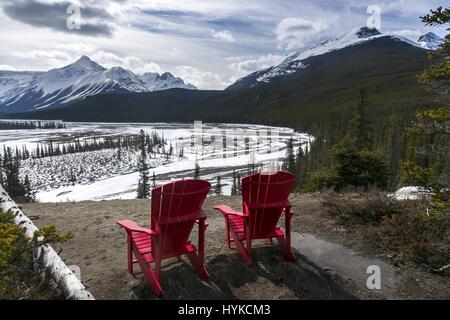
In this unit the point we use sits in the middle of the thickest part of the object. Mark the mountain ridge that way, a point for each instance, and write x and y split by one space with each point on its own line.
299 60
385 67
28 91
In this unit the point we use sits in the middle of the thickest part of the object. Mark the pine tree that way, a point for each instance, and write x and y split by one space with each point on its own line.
143 190
289 162
218 186
431 166
11 181
72 177
234 188
196 170
153 180
301 166
437 76
238 183
30 195
361 126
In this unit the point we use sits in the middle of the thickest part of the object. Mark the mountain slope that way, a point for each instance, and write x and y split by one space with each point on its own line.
59 87
299 61
386 66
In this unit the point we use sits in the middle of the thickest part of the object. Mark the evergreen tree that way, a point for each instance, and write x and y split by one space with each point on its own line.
10 176
143 190
29 195
72 177
196 170
437 76
301 165
218 186
234 188
361 126
289 163
352 161
238 183
1 171
430 169
153 180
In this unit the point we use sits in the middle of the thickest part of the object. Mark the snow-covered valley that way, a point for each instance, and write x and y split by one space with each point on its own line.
219 149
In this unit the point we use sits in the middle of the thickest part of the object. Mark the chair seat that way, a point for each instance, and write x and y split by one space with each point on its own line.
237 224
143 245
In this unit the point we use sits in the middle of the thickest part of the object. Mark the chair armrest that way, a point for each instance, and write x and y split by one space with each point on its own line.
198 222
227 210
132 226
256 206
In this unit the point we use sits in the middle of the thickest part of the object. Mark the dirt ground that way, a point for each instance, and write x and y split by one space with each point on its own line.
98 247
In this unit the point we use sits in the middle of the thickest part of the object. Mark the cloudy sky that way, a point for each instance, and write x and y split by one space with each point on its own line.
209 43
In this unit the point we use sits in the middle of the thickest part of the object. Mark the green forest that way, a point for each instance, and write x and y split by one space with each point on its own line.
367 145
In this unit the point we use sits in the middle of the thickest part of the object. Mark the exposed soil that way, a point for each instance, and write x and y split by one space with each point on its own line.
99 249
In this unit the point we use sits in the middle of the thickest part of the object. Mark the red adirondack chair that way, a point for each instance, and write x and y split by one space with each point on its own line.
175 208
264 199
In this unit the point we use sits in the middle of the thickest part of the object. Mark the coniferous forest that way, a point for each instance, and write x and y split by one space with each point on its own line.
371 145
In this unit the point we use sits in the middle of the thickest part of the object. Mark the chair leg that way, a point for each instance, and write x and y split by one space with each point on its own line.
227 232
287 245
130 254
150 276
248 248
243 252
201 250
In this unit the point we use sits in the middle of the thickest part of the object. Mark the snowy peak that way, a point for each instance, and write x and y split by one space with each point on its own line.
86 63
366 32
29 91
354 37
430 41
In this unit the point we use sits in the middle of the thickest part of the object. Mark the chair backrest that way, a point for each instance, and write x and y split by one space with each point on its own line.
175 207
264 195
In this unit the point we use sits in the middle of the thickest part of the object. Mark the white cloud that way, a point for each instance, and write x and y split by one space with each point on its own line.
151 35
243 66
50 58
294 33
135 64
408 33
201 79
5 67
59 57
224 35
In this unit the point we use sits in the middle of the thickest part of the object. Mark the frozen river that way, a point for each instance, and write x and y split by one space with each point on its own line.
217 148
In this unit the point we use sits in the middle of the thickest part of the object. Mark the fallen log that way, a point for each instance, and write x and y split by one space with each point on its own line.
70 286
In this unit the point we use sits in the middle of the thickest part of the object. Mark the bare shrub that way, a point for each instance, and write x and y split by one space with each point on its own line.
406 230
371 207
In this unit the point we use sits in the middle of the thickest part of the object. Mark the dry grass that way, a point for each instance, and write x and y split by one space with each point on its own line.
404 229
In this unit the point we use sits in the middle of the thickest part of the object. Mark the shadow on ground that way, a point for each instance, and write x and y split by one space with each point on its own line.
271 277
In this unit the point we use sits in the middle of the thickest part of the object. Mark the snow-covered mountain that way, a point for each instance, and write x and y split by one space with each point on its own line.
430 41
28 91
299 60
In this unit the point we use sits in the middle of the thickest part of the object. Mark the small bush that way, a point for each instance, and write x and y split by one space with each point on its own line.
319 180
373 207
416 236
19 275
407 230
